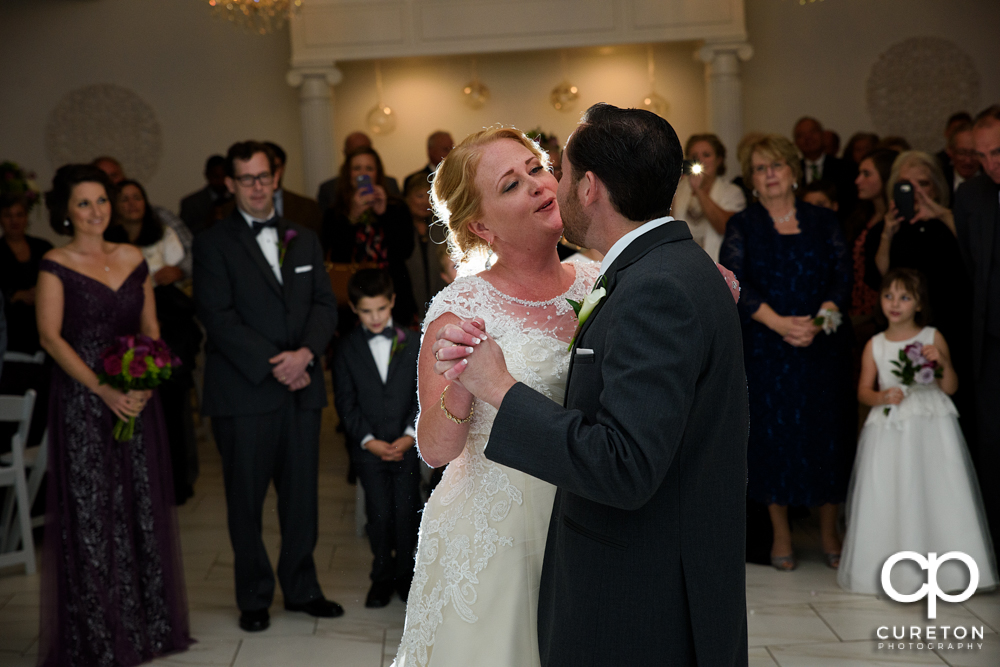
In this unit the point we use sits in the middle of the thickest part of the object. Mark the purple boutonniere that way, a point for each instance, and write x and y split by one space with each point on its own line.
398 342
290 234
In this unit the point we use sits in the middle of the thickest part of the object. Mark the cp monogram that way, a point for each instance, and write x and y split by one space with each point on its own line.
930 590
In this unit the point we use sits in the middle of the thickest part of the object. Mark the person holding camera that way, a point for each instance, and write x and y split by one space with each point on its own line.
704 201
367 226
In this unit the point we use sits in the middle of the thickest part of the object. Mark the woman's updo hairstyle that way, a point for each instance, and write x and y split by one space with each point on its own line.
66 178
454 197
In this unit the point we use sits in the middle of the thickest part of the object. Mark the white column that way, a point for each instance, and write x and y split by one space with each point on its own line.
315 86
725 94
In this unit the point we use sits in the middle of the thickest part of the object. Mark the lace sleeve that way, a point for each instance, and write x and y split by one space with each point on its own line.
460 298
589 272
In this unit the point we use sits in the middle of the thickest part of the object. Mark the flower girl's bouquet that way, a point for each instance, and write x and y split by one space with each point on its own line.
913 368
135 363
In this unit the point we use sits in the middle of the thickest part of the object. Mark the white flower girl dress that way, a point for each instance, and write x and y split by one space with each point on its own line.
913 489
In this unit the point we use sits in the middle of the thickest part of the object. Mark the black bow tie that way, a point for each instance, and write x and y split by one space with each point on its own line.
258 227
387 332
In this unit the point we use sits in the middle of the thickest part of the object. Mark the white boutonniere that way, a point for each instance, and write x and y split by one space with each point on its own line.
828 320
583 309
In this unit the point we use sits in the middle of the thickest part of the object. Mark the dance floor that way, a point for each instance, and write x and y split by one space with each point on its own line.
798 619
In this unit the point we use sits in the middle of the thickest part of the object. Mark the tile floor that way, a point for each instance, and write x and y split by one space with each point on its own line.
798 619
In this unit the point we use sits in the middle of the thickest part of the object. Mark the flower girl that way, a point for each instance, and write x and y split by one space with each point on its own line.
913 486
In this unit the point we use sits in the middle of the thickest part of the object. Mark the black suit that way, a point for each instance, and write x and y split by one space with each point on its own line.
196 209
977 220
842 174
264 431
644 563
366 406
302 210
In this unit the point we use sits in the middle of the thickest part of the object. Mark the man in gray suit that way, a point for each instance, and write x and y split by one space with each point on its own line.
644 562
977 220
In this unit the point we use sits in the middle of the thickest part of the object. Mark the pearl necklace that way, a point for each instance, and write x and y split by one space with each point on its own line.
785 218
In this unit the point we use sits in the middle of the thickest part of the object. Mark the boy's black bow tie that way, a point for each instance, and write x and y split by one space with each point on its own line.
387 332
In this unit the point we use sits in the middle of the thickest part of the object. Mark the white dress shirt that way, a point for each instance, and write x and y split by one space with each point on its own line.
626 240
168 251
808 165
381 348
268 242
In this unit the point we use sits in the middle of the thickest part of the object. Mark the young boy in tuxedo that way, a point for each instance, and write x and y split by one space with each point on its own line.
375 388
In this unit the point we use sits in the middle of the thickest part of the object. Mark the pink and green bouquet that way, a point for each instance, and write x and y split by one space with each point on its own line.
913 368
135 363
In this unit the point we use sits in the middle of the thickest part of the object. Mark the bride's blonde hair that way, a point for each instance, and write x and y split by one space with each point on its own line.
454 196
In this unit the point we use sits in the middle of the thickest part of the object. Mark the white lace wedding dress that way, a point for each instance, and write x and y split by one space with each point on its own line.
482 536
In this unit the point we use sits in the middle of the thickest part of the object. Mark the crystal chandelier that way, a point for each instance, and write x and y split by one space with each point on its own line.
259 16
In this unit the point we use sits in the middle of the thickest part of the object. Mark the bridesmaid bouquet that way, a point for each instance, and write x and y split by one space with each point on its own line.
135 363
913 367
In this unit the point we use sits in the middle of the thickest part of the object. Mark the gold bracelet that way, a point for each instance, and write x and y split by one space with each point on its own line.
472 410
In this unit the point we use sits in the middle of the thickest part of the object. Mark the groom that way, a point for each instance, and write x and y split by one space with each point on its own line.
644 563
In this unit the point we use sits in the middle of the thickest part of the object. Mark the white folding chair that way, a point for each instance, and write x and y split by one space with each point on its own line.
17 409
35 460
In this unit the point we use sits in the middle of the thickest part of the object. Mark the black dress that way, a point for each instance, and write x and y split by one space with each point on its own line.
798 395
22 331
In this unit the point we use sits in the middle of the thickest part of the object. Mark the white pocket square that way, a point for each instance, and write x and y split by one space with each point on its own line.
304 268
583 352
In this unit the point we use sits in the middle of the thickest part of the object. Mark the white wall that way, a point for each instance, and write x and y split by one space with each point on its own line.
815 59
426 93
210 83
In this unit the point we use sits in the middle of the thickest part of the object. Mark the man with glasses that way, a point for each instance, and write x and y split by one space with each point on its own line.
265 300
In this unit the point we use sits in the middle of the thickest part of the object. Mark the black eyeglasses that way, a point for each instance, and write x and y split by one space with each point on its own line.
247 180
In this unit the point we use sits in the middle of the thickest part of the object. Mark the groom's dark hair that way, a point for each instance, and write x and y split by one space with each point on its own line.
635 153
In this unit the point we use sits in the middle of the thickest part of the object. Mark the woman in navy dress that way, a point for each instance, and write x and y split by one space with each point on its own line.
791 259
112 583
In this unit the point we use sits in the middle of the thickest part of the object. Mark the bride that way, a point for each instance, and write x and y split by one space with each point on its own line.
482 536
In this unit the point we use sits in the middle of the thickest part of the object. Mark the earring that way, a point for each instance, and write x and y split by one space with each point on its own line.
755 194
66 222
795 186
489 258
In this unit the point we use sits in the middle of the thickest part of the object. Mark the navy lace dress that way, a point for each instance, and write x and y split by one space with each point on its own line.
798 396
112 582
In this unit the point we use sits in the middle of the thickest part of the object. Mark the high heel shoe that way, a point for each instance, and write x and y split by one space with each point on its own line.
832 561
784 563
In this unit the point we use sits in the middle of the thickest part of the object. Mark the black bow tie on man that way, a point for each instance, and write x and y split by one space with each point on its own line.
258 227
387 332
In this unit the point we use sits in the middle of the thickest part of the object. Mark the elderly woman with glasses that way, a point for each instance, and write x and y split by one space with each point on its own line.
792 262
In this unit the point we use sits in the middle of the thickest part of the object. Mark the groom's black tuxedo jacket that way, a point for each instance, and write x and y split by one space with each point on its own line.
644 563
250 317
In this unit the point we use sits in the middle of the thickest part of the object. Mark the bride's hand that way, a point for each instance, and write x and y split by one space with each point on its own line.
455 342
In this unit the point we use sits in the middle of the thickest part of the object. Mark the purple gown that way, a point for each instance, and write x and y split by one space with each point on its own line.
112 581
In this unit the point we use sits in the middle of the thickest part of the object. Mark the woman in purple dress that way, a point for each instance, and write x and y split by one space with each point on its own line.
112 582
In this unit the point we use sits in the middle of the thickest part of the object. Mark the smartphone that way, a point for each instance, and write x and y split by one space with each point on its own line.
902 195
364 183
